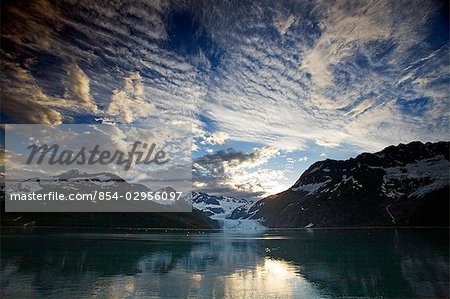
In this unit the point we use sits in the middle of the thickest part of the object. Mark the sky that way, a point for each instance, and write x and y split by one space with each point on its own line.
269 87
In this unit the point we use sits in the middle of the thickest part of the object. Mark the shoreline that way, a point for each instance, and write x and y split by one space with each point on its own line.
221 230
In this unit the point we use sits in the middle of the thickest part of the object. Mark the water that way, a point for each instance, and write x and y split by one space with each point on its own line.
383 263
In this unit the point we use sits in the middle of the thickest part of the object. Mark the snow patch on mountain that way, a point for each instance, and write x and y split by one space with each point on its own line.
431 173
310 188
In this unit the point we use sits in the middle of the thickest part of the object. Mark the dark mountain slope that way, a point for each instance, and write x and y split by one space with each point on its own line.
401 185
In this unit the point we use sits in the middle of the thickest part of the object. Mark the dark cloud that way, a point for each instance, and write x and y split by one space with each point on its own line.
216 162
22 100
221 160
29 112
233 172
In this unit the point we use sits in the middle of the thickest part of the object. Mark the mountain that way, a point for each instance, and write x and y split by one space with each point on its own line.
220 207
404 185
230 212
168 215
208 211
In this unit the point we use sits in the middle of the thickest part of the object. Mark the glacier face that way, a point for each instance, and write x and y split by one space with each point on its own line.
232 213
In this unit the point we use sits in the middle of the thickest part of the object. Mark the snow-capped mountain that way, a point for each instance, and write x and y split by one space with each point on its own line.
232 213
219 207
401 185
102 192
75 181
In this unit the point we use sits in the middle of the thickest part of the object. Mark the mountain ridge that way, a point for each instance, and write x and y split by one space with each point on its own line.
399 185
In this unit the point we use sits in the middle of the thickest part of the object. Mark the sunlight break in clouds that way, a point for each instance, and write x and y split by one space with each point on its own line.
240 174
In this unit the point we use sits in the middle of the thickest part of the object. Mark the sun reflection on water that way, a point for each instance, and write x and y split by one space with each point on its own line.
270 278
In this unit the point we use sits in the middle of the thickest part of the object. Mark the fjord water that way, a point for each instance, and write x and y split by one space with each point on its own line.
388 263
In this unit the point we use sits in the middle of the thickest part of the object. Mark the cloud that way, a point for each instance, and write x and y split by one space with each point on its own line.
26 102
237 172
203 138
282 23
27 111
303 159
128 103
320 83
78 88
23 100
343 31
28 24
216 138
290 160
221 161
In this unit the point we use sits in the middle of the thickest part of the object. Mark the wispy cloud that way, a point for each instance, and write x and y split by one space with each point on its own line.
321 89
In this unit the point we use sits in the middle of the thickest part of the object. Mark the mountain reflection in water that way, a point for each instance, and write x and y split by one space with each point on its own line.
293 263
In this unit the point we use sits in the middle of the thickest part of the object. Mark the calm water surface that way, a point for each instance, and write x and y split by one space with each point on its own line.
380 263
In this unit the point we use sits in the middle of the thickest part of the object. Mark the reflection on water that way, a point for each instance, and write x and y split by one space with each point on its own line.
403 263
269 279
